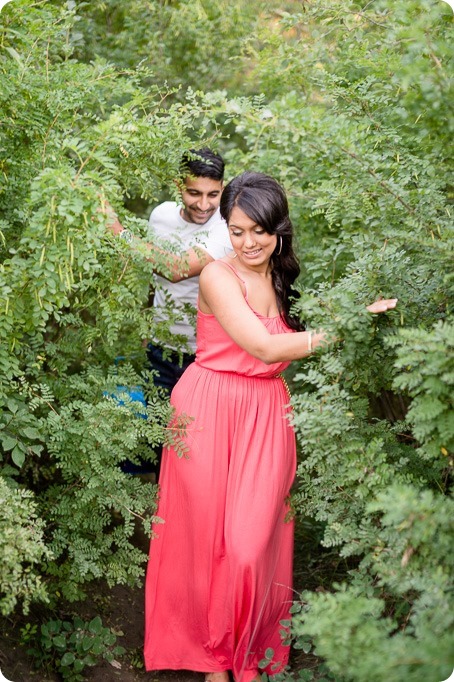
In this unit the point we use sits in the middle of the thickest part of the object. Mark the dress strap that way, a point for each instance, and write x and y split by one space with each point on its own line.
235 272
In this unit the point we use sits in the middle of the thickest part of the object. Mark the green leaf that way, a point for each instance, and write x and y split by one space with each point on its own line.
8 442
59 642
18 456
15 55
32 433
109 638
97 647
67 659
95 625
78 666
12 406
88 642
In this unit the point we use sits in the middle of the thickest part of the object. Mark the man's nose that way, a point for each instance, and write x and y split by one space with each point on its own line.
203 203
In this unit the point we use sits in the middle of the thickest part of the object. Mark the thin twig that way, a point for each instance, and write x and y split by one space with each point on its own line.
380 182
124 270
47 136
122 504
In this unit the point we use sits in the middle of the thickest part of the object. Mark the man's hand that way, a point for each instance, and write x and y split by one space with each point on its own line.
113 223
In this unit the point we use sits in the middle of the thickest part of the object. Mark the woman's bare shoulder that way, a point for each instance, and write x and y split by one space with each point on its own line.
215 269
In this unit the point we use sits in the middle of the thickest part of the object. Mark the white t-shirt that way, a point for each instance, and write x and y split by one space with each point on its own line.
166 223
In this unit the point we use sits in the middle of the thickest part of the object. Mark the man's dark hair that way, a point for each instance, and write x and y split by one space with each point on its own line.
202 163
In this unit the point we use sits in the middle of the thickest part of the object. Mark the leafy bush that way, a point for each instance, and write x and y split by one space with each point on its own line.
194 44
357 126
22 549
73 299
70 647
348 104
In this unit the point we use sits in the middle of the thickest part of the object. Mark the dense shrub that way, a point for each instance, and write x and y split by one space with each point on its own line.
73 300
359 131
347 103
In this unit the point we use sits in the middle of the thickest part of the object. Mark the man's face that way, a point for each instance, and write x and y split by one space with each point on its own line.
200 197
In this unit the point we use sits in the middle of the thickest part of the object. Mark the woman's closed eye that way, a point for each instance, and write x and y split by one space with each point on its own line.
239 233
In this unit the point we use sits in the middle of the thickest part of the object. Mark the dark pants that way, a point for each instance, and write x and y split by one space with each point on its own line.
167 372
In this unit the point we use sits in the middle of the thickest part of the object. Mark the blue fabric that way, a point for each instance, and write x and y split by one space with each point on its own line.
136 394
166 374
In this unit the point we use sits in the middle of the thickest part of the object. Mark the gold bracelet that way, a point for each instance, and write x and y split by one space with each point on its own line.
309 343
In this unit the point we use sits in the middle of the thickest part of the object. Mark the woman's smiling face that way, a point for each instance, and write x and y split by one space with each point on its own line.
252 244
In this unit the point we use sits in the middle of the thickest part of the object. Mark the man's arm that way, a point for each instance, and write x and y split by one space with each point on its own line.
177 266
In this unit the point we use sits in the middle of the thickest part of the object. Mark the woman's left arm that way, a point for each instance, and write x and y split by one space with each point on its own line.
382 305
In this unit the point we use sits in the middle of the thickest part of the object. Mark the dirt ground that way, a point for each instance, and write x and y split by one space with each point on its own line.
121 609
124 614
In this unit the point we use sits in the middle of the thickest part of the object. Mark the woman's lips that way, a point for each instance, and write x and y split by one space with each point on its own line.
252 254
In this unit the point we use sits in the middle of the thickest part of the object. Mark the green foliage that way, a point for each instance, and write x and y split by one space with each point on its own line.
22 549
409 564
357 125
72 299
190 43
425 360
348 104
70 647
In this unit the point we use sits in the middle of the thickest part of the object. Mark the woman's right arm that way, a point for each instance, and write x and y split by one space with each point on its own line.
221 295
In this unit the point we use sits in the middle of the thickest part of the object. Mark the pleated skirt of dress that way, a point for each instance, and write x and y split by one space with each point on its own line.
219 577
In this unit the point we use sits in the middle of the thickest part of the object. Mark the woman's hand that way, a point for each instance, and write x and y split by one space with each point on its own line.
382 305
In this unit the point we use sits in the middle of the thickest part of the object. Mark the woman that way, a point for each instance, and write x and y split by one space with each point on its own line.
219 577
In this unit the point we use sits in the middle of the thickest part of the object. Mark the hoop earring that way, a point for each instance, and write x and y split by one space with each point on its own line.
228 255
278 253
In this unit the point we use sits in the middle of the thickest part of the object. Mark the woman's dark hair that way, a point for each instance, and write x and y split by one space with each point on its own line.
263 200
202 163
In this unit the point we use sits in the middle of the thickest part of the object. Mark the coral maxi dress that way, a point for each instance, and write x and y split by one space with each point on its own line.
219 576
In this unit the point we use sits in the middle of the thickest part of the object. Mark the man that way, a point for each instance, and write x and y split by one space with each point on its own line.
195 228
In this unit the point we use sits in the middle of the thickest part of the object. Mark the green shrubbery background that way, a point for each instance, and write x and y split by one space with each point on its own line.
348 104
